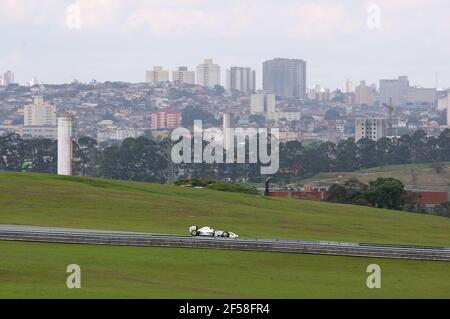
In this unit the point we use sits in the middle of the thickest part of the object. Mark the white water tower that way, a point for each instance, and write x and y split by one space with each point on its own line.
66 145
228 134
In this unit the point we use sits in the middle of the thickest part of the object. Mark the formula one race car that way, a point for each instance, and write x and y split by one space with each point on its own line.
210 232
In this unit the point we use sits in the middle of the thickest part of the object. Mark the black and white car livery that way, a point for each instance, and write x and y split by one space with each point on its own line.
210 232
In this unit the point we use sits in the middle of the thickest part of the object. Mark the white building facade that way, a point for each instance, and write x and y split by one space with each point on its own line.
241 79
373 129
208 74
262 103
39 120
157 75
364 94
183 75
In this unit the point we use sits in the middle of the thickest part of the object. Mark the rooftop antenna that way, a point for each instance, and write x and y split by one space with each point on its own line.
437 81
390 107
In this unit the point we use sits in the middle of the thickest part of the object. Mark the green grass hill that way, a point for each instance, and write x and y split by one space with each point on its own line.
30 270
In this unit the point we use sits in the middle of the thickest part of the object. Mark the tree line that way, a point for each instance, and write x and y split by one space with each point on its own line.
146 160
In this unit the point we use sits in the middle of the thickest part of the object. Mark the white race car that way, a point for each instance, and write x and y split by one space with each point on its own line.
210 232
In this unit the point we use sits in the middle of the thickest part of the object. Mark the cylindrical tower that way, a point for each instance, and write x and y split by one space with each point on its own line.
66 145
228 134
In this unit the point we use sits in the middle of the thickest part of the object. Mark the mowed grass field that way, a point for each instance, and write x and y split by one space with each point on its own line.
49 200
32 270
37 270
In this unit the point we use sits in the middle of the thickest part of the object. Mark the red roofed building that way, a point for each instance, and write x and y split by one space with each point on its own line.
165 119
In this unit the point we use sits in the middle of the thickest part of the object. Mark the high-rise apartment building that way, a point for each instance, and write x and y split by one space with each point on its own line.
364 94
39 113
285 77
373 129
7 78
183 75
165 119
402 93
261 103
208 74
157 75
241 79
348 86
39 119
394 90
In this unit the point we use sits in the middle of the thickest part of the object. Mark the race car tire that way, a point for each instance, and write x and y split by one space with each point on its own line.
225 234
194 233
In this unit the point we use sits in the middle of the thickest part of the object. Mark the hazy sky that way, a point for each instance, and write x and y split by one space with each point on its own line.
59 40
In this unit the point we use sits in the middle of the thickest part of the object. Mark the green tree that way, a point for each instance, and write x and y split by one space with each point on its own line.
346 156
219 89
387 193
11 152
367 153
332 115
88 157
443 144
351 192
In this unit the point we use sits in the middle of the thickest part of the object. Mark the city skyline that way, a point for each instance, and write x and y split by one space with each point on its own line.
116 40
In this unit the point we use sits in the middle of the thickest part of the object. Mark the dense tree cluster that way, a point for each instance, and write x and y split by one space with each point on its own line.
142 159
300 161
387 193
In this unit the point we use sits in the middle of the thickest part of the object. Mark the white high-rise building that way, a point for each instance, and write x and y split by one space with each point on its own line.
183 75
157 75
39 120
348 86
373 129
39 113
241 79
261 103
443 102
7 78
66 145
34 81
208 74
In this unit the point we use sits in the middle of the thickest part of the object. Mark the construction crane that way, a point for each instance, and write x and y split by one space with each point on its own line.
390 107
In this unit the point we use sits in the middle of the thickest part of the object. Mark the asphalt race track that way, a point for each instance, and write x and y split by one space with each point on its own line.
116 238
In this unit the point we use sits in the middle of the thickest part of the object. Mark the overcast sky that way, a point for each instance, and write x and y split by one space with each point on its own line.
120 39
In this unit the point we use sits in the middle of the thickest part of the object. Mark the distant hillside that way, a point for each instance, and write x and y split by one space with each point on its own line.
414 176
49 200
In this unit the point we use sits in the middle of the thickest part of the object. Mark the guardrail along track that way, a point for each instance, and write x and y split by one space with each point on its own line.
78 236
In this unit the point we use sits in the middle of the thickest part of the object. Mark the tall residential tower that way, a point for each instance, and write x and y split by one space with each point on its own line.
285 77
183 75
39 119
241 79
208 74
157 75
